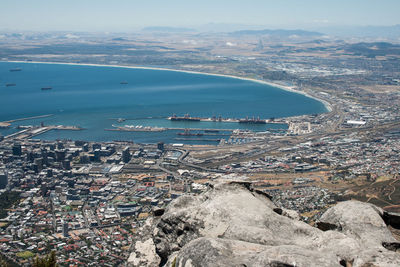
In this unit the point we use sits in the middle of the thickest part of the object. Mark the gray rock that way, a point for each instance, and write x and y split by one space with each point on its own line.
144 254
144 249
224 252
233 225
361 221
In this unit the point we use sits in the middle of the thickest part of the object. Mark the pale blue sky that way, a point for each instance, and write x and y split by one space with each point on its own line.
125 15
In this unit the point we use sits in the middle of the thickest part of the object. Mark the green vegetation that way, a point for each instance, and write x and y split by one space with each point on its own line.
67 208
7 199
25 254
47 261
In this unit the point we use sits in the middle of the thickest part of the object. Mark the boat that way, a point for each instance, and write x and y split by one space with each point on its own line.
121 119
46 88
188 133
211 131
184 118
124 82
216 119
15 69
10 84
253 120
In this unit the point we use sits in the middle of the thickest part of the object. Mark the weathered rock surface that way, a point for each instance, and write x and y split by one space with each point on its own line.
232 225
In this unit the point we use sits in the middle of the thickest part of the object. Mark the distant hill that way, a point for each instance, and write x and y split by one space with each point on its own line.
278 33
167 29
373 49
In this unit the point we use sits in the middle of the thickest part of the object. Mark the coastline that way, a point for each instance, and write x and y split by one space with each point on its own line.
326 104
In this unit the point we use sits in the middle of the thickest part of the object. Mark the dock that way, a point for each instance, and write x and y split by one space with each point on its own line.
219 132
29 118
33 131
252 120
6 124
201 129
160 129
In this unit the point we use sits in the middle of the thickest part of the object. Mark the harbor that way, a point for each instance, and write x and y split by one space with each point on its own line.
207 132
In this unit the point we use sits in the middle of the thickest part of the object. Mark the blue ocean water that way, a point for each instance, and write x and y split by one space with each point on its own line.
93 96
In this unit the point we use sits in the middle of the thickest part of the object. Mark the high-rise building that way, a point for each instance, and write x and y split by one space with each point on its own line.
17 149
65 229
97 155
60 155
126 155
3 180
66 164
60 145
39 163
160 146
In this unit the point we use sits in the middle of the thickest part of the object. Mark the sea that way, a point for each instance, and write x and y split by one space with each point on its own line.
95 97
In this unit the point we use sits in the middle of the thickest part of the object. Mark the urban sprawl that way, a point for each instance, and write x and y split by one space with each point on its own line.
86 200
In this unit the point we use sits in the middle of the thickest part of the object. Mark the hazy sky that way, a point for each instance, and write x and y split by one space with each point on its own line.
125 15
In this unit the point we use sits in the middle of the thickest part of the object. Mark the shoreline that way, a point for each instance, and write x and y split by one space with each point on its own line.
326 104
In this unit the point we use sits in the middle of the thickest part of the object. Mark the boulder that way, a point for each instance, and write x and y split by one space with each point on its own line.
233 225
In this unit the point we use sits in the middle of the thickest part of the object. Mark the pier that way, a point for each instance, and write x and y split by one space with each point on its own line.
252 120
212 131
160 129
6 124
28 118
37 130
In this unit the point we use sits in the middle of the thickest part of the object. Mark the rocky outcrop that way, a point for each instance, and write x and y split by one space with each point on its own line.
233 225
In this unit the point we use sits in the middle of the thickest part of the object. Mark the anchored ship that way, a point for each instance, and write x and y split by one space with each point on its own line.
184 118
253 120
188 133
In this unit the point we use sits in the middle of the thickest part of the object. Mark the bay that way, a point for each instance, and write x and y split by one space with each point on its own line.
93 97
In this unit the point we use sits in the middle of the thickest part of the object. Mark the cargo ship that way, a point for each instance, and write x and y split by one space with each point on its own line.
124 82
46 88
253 120
16 69
213 118
10 84
184 118
188 133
